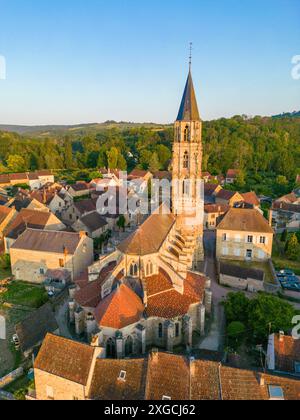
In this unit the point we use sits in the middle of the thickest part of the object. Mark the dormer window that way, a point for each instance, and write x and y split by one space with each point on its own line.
276 393
122 376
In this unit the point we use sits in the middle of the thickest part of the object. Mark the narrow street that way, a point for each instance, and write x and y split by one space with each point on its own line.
214 340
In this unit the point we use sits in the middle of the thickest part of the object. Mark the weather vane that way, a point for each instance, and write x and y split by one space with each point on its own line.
191 51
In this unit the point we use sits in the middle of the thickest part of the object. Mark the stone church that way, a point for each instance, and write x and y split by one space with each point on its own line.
149 292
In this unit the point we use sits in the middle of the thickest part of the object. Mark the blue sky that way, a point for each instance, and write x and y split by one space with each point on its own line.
75 61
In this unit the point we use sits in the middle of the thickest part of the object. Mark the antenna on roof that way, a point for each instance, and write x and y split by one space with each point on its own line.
191 55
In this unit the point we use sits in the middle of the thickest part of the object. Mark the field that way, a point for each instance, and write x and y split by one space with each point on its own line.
24 294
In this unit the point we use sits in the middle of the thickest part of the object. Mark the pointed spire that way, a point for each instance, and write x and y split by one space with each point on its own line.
189 109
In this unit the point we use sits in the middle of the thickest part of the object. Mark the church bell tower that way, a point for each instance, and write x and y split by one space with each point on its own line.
187 191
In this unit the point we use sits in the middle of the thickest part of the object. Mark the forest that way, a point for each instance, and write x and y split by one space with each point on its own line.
266 150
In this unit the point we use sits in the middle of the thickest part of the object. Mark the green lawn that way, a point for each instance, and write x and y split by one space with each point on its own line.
24 294
4 274
281 262
264 266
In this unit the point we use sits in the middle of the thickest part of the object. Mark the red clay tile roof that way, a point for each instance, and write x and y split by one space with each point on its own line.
232 173
165 302
120 309
245 220
85 206
138 173
287 352
106 384
205 383
158 283
149 238
168 375
89 294
251 198
226 194
18 177
65 358
4 179
80 186
216 208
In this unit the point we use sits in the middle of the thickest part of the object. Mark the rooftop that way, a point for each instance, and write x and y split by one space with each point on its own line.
65 358
48 241
245 220
149 238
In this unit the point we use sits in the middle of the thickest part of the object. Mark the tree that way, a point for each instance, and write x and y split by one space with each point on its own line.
284 236
68 153
112 158
268 313
236 307
293 248
236 334
121 222
164 155
154 164
16 163
281 180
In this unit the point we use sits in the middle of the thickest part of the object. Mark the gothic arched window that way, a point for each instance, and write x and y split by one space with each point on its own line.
110 348
187 133
186 160
133 270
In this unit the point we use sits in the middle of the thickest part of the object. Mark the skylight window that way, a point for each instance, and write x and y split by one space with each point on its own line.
276 393
122 376
166 398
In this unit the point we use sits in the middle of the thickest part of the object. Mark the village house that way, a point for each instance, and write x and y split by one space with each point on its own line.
210 192
139 173
80 189
34 219
251 199
230 198
213 214
243 278
32 330
284 354
244 234
286 215
34 179
68 370
93 224
37 251
288 199
78 209
231 176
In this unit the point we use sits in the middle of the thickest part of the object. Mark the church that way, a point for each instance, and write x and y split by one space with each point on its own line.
150 292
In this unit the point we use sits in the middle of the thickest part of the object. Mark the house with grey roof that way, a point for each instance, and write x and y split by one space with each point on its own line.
37 251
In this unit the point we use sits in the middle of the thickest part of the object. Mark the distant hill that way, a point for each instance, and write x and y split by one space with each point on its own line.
295 114
79 129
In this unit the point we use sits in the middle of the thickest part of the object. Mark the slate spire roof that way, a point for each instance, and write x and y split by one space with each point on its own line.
189 109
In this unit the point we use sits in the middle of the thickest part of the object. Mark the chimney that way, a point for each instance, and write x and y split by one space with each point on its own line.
44 196
82 234
281 205
281 336
270 217
261 380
